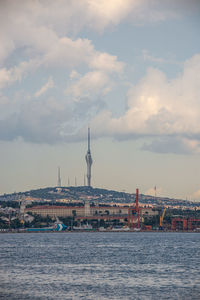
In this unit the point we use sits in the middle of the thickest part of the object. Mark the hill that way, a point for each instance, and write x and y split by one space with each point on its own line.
97 195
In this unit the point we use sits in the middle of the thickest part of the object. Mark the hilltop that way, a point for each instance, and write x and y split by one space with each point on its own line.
97 195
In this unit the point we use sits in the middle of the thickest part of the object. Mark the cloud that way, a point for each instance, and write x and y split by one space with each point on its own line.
196 195
16 73
43 36
106 62
91 84
173 144
47 120
154 191
103 13
159 107
148 57
44 88
74 74
38 37
25 28
41 25
8 76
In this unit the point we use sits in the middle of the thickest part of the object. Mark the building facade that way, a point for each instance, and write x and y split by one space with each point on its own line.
85 211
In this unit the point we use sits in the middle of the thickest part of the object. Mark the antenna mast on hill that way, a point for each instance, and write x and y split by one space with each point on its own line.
59 177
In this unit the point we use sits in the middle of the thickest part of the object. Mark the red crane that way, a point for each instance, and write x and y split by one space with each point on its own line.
135 210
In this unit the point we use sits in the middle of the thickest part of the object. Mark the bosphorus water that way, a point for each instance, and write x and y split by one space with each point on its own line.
100 266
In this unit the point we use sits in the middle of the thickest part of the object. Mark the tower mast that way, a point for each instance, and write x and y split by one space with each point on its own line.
59 177
88 159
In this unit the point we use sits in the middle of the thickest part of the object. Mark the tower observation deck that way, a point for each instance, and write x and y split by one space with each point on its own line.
88 159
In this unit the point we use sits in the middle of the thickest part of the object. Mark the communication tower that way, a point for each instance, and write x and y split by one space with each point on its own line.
59 177
88 159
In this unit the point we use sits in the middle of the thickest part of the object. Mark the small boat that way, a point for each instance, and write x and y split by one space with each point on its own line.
56 227
83 227
120 228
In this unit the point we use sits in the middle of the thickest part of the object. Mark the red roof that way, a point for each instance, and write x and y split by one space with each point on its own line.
53 207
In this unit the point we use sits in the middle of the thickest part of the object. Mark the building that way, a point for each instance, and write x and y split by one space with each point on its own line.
86 211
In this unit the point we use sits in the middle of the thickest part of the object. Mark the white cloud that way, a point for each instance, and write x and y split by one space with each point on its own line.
106 62
41 25
149 57
25 28
91 84
44 88
161 107
16 73
103 13
34 37
66 52
74 75
43 35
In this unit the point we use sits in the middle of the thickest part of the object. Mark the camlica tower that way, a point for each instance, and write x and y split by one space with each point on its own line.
88 159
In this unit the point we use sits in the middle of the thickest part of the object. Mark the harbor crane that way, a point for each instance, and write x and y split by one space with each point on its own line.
162 217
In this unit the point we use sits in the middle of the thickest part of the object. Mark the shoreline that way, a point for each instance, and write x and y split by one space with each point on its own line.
106 231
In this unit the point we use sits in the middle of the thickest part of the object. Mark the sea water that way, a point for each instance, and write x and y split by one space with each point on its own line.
100 265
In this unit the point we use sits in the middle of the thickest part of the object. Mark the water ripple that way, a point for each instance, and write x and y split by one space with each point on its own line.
100 266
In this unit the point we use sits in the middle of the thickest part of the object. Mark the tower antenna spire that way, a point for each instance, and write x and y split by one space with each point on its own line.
88 159
88 138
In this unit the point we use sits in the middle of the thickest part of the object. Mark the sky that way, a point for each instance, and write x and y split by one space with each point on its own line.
129 69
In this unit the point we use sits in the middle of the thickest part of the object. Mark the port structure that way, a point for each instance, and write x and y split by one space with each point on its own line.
88 159
162 218
135 211
187 224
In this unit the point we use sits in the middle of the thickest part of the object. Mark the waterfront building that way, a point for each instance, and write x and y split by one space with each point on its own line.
86 211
